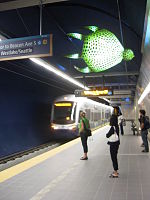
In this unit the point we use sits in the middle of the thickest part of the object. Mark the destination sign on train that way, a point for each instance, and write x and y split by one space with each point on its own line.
26 47
90 93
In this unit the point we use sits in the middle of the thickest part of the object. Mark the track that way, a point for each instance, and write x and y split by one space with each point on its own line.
19 157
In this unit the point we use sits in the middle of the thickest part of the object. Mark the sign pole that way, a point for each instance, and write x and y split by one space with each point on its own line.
41 7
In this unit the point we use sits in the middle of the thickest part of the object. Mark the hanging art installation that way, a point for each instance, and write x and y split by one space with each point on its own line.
101 50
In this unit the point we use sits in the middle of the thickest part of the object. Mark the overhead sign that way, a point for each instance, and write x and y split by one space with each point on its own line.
91 93
27 47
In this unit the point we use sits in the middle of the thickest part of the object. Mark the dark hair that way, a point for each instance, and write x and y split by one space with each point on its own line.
113 120
117 111
143 112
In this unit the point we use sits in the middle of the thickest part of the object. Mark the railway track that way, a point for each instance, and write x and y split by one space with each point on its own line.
19 157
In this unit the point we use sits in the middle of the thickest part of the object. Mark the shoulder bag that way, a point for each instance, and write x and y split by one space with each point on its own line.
114 137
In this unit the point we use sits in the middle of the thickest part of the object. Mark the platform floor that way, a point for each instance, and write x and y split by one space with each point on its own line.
64 177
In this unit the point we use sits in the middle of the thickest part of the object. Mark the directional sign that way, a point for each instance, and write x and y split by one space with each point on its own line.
92 93
27 47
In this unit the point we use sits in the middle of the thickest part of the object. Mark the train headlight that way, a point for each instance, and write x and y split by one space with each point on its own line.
54 127
72 127
67 118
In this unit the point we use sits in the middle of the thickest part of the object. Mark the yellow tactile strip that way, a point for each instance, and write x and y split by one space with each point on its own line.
17 169
12 171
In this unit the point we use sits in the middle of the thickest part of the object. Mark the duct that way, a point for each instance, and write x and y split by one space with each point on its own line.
110 74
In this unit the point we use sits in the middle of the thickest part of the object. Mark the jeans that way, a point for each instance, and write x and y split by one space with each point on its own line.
144 138
84 142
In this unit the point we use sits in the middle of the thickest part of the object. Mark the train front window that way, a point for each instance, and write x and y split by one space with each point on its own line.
64 112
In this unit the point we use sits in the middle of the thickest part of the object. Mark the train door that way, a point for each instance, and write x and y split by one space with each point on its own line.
103 116
95 119
107 114
99 115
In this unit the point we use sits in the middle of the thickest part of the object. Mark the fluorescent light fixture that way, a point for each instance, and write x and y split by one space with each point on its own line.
57 72
54 70
146 91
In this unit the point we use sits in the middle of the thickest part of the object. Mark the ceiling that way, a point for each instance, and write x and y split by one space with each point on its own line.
72 16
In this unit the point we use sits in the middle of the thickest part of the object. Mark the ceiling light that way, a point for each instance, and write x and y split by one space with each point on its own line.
54 70
146 91
57 72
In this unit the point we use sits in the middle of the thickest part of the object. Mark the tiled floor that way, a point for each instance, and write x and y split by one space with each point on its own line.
65 177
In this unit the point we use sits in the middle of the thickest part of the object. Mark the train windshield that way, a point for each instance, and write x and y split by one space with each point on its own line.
64 112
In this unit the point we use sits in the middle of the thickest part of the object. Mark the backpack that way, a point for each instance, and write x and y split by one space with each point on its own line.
147 123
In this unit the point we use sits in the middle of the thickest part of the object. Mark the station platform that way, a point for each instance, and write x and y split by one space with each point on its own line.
60 174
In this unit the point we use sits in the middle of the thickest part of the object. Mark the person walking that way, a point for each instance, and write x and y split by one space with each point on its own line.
144 131
113 142
84 124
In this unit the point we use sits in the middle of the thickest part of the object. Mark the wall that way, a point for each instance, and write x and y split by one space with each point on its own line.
25 107
144 77
128 111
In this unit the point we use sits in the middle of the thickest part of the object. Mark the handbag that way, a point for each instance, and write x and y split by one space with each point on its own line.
114 137
88 131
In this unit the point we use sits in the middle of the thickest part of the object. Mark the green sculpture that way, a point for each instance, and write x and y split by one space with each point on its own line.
101 50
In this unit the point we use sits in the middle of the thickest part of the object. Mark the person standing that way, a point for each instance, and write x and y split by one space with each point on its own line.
144 131
120 121
84 122
114 142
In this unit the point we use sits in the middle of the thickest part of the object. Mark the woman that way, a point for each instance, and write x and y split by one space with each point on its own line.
84 122
114 142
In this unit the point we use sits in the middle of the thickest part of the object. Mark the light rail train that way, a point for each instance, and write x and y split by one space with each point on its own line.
65 115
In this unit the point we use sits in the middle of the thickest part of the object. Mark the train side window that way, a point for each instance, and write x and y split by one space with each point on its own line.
87 113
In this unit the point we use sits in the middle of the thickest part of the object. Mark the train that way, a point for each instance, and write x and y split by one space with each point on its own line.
65 115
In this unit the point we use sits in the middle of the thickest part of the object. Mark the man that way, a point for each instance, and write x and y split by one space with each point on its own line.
144 131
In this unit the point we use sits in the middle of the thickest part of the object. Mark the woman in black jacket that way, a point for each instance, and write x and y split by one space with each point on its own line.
114 142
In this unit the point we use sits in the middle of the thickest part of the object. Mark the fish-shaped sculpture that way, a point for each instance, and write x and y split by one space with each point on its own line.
101 50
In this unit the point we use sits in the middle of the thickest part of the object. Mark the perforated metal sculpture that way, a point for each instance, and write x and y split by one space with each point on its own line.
101 50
